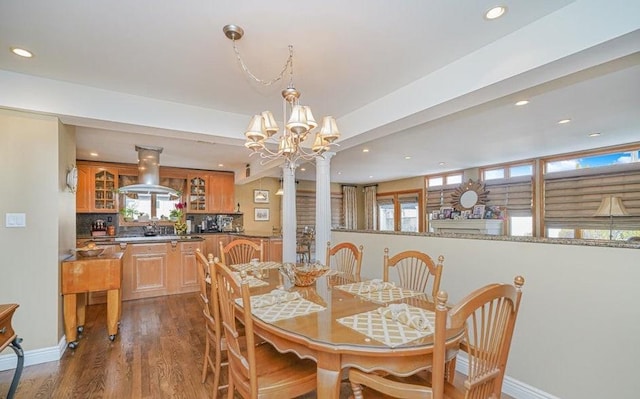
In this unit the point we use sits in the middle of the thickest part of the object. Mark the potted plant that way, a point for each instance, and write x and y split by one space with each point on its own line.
128 213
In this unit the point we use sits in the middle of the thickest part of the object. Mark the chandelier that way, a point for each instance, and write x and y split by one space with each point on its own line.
298 121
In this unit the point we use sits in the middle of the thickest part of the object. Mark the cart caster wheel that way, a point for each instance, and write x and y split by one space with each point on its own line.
80 329
112 337
73 344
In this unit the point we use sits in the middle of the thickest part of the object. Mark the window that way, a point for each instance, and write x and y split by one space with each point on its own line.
575 187
409 211
521 226
386 214
593 161
434 181
399 211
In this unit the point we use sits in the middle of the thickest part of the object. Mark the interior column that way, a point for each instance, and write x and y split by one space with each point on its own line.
323 205
289 212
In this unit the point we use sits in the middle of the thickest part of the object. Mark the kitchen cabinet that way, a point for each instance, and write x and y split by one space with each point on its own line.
183 272
97 189
158 269
210 192
145 271
222 196
212 243
275 250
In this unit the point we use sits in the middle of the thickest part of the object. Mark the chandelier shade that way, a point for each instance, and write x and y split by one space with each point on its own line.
298 120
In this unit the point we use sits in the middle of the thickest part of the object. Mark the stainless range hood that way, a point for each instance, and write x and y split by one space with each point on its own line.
148 174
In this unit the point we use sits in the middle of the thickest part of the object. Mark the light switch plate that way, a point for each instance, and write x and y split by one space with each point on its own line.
15 220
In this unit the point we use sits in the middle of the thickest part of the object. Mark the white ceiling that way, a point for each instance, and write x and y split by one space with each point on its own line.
432 80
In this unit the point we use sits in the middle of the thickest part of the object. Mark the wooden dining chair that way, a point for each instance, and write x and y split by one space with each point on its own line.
415 270
345 257
256 370
214 340
487 316
241 251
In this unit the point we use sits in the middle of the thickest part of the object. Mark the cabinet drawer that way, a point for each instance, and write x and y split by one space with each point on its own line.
148 248
189 246
6 332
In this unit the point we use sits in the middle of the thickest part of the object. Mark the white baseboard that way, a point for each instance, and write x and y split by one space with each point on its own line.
35 356
510 386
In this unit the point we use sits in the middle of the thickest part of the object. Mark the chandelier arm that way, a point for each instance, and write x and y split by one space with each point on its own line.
287 65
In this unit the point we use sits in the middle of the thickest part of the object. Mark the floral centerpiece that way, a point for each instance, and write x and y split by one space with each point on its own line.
177 215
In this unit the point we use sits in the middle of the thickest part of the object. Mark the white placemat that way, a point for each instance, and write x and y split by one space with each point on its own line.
379 293
386 330
262 265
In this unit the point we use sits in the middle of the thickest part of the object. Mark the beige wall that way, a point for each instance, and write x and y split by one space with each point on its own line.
33 153
579 321
411 183
244 196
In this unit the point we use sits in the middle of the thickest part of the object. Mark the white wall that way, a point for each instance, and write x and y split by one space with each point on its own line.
31 161
578 331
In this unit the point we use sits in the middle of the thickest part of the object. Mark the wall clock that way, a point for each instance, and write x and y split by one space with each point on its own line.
72 179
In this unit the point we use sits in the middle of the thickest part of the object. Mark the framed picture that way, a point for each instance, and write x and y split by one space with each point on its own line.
261 214
261 196
446 212
478 211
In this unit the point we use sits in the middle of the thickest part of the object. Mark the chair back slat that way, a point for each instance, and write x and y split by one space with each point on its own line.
241 251
240 347
415 271
345 257
488 315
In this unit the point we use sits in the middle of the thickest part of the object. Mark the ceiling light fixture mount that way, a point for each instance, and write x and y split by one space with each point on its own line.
298 120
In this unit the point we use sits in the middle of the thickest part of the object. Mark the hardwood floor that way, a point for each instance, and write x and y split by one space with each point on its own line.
157 354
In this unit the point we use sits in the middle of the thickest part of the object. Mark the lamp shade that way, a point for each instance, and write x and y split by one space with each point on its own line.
298 120
255 131
270 125
611 206
329 129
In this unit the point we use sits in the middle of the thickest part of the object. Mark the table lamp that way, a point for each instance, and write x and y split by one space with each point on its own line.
611 206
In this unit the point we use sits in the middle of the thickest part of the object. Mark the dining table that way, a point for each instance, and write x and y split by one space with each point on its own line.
338 321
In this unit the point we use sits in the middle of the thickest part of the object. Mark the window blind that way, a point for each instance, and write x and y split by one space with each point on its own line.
306 209
439 196
514 194
572 197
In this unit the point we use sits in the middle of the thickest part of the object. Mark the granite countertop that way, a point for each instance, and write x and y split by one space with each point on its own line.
140 239
542 240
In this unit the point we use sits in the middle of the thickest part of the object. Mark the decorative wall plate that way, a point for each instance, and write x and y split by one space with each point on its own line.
72 179
468 195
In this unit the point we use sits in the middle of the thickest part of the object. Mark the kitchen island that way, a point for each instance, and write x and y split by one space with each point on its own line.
153 265
166 264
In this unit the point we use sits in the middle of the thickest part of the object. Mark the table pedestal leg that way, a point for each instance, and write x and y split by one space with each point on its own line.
328 376
15 345
70 319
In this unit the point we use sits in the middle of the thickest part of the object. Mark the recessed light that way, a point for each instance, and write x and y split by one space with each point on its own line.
522 102
303 169
93 154
220 165
370 177
563 121
594 134
407 157
365 150
21 52
339 173
441 163
495 12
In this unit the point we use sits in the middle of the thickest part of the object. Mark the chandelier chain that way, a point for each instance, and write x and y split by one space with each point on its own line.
287 65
